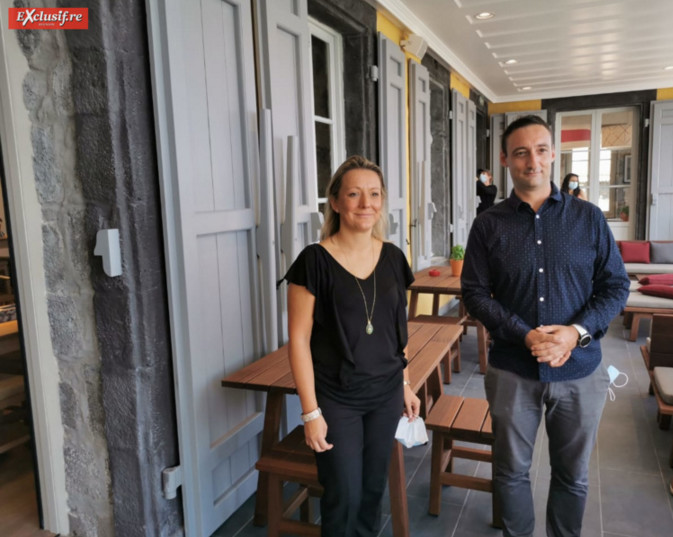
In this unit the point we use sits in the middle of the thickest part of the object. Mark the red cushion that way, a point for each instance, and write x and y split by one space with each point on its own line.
661 279
664 291
635 252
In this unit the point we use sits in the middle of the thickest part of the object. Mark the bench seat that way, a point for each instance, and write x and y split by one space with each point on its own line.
465 419
640 306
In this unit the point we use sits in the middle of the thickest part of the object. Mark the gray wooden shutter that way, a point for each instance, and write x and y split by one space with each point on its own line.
462 177
661 171
392 136
471 163
286 91
204 74
422 208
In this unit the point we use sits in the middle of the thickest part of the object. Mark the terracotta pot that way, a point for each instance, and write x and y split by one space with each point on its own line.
456 266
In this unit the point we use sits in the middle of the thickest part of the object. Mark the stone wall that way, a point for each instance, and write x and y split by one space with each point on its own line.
89 98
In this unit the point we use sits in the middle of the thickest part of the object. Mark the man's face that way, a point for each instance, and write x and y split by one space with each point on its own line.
529 158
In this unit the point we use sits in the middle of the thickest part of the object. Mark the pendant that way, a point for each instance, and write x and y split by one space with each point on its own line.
370 328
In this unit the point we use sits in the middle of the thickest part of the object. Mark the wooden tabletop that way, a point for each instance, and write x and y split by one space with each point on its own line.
444 283
427 344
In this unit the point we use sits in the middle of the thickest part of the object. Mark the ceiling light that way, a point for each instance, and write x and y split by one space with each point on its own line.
525 88
511 61
484 15
668 68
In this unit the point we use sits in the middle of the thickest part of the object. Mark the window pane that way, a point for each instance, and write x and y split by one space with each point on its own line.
615 176
320 77
323 150
575 143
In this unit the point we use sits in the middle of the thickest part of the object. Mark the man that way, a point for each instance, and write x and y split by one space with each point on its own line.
486 190
542 272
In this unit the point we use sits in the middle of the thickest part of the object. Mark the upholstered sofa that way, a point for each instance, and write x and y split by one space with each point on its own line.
647 257
653 262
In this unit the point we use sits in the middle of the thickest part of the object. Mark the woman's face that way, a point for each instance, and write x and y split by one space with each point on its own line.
359 201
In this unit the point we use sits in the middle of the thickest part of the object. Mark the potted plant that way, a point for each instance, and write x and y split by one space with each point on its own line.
456 259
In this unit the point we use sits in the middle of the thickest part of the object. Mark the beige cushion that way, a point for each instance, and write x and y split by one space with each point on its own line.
639 300
649 268
663 378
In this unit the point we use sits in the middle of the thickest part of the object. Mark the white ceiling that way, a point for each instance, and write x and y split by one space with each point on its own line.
562 47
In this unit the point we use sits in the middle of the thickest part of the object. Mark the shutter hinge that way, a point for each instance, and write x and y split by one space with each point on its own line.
450 114
171 479
374 73
647 122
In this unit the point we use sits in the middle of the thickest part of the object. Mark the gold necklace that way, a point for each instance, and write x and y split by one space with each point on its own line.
369 329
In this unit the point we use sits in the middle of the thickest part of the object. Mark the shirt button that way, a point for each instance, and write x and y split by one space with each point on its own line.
540 270
541 299
539 242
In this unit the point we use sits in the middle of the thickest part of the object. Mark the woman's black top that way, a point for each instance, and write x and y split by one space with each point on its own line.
347 361
487 196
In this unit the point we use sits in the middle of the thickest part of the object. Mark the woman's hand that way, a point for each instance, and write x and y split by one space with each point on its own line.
315 432
412 404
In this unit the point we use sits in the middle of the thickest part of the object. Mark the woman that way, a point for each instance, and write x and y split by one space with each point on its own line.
571 185
348 335
486 190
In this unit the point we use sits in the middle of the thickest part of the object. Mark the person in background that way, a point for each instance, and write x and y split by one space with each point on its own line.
486 190
571 185
546 302
348 336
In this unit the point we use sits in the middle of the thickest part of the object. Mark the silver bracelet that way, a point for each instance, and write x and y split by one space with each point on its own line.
406 383
310 416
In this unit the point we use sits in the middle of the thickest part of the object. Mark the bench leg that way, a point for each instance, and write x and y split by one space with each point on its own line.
446 361
635 324
664 421
456 360
275 505
435 473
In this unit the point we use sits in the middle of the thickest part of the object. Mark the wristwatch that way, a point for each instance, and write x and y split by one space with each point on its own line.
584 337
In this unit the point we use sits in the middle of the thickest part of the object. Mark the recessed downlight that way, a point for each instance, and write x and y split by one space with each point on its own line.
668 68
526 88
511 61
484 15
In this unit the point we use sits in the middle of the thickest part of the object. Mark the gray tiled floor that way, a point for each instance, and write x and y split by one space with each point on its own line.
628 486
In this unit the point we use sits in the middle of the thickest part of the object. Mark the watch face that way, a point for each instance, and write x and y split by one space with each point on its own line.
585 340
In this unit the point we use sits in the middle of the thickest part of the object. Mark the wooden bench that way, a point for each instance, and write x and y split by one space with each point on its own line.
664 410
465 419
639 307
452 359
291 460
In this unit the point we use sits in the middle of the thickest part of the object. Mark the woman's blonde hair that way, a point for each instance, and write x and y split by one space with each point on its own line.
332 222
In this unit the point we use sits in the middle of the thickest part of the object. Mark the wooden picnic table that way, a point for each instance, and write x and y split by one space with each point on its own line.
428 345
446 284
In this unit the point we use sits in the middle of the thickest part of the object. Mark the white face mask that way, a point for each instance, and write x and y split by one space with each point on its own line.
483 178
573 185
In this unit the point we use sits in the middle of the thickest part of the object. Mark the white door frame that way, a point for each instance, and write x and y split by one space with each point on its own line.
26 221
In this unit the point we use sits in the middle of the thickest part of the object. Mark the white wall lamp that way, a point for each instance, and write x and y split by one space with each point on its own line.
414 44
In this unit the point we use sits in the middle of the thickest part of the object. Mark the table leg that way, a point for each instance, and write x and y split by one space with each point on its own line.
398 492
482 344
413 304
274 408
435 304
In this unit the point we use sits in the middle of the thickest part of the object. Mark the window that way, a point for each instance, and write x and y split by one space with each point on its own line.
328 112
599 146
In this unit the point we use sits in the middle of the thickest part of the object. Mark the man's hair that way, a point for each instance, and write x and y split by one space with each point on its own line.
523 121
